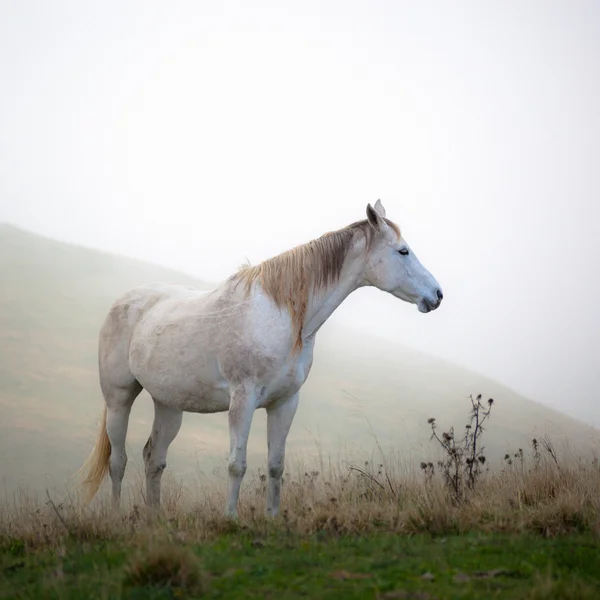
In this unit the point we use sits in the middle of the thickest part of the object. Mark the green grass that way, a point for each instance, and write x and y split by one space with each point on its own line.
239 565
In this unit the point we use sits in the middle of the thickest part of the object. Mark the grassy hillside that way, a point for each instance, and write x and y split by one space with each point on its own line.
53 299
527 530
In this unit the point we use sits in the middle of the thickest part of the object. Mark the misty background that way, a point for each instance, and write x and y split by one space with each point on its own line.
198 134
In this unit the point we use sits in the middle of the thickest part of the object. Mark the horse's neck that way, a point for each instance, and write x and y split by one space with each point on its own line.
322 305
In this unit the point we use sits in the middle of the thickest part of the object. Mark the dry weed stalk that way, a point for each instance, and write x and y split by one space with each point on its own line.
463 460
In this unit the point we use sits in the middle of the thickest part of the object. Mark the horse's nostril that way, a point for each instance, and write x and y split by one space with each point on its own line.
440 295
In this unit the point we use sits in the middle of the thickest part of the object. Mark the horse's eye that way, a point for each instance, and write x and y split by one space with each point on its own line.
404 251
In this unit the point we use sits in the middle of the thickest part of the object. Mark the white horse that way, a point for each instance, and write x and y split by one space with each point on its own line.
245 345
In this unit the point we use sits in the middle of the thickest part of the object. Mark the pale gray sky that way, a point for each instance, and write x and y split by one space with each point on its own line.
195 134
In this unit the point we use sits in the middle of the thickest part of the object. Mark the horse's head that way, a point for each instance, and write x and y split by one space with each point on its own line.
393 267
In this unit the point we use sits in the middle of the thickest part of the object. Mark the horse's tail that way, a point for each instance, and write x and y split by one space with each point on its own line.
96 465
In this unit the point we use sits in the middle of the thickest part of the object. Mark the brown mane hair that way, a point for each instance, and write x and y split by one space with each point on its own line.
289 277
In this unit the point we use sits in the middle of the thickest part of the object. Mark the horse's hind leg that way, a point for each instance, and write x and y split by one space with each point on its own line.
119 402
167 422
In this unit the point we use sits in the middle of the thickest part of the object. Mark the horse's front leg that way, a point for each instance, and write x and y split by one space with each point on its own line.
241 411
279 421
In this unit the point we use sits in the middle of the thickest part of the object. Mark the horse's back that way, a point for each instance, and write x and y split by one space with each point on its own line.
141 296
140 300
130 308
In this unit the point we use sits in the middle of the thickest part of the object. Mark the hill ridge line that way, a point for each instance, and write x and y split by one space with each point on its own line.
18 229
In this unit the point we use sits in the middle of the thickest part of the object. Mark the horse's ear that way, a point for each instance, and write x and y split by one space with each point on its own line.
374 218
379 208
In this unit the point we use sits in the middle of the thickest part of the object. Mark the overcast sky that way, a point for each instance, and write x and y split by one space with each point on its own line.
198 134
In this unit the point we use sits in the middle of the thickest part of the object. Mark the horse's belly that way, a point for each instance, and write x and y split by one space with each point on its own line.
190 394
213 401
198 400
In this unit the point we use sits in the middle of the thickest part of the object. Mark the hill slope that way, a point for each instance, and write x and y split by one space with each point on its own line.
53 299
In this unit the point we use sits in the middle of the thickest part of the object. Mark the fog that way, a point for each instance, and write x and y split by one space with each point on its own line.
197 135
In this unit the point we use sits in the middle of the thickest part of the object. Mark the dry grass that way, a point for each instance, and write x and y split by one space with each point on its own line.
539 492
163 564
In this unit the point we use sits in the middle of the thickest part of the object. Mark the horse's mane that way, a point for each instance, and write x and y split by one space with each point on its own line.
289 277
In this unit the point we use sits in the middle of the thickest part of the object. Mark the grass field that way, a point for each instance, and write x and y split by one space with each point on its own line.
530 530
280 565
